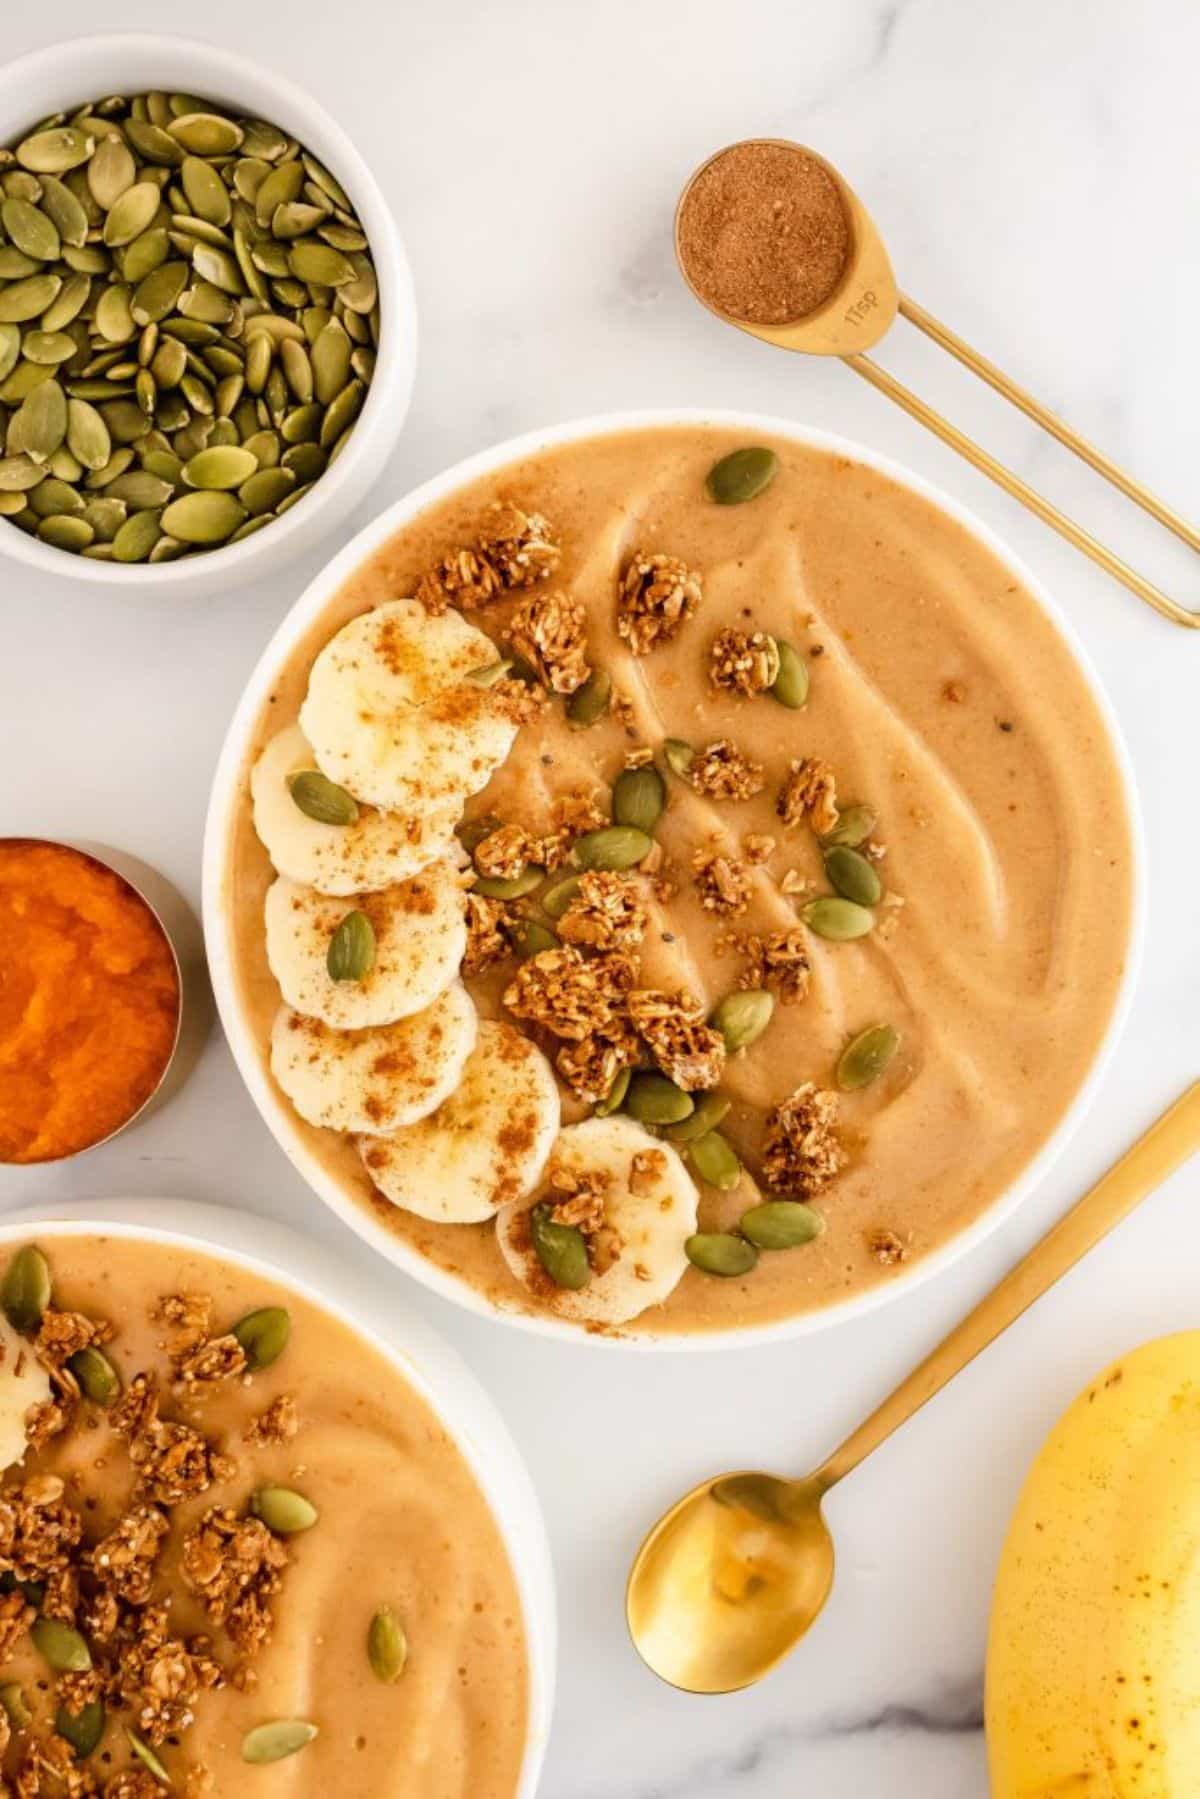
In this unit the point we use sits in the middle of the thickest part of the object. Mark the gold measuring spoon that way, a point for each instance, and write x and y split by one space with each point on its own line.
864 306
732 1577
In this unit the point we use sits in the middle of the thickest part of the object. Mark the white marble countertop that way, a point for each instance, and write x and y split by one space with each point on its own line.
1032 167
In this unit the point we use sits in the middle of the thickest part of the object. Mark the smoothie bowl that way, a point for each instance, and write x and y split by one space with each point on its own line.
252 1526
671 880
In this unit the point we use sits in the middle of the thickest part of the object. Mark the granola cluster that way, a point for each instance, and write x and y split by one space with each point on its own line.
743 661
722 772
579 1199
607 913
550 631
572 815
568 994
721 881
779 961
802 1153
514 549
487 941
672 1026
655 596
809 794
505 852
235 1566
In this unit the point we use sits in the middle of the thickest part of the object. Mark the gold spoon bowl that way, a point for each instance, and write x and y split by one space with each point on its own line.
730 1579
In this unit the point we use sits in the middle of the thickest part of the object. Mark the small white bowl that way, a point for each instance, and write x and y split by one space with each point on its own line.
83 69
228 795
423 1359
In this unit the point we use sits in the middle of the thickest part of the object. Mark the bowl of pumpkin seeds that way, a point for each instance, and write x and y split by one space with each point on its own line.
207 324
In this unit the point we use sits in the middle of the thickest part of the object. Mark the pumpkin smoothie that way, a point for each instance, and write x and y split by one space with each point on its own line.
793 881
239 1552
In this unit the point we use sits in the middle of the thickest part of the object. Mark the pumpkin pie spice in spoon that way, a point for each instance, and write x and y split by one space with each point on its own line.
770 238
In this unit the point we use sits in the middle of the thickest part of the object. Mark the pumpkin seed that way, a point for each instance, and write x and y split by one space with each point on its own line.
105 517
97 1377
158 292
140 489
653 1099
147 1757
294 219
111 172
613 847
54 151
18 474
710 1109
137 537
839 920
854 825
41 424
715 1161
14 263
283 1511
64 212
53 495
492 887
781 1224
50 347
263 1335
720 1253
25 1291
221 468
529 938
852 875
742 1017
342 413
60 1646
790 686
66 533
351 953
297 369
131 214
82 1729
387 1645
638 798
614 1099
32 231
16 1708
87 434
331 355
866 1056
206 133
560 1248
591 701
203 517
559 896
741 476
207 195
271 1742
73 296
321 799
26 299
679 755
10 349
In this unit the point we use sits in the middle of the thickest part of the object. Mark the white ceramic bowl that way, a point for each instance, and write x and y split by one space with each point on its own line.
68 74
226 797
422 1358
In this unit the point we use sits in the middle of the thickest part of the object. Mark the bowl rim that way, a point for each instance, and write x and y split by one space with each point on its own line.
433 1368
386 406
225 797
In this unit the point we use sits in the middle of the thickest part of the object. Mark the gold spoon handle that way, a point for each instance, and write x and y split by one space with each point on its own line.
1021 490
1152 1158
1041 415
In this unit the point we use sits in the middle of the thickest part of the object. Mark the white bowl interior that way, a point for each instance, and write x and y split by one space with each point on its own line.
83 69
226 798
423 1359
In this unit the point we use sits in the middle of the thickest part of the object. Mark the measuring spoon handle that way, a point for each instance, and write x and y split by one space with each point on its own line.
1162 1149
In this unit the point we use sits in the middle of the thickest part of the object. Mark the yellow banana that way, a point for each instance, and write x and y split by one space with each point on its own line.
1093 1668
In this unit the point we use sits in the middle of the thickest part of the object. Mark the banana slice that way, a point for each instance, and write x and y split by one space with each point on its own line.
371 851
420 936
375 1080
391 716
485 1147
23 1383
648 1215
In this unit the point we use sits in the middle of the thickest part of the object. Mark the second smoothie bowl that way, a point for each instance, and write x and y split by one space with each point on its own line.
671 879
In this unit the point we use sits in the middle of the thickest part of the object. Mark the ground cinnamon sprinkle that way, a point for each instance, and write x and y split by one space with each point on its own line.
89 1001
763 234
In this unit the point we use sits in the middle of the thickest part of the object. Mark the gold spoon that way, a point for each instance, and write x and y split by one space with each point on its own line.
732 1577
864 306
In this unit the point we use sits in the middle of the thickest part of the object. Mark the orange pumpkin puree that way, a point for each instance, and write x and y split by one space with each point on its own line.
89 1001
